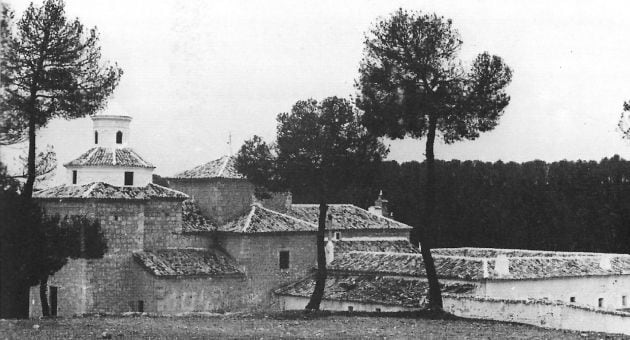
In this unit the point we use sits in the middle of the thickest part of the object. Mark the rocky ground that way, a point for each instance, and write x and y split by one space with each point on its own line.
280 325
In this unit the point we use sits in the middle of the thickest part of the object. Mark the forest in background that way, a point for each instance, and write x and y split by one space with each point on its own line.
564 205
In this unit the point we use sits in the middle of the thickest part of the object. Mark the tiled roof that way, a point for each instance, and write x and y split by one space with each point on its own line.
493 252
223 167
193 220
383 245
186 262
100 190
372 289
470 268
345 216
263 220
101 156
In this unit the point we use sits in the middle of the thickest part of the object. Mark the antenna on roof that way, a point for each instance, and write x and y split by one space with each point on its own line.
230 143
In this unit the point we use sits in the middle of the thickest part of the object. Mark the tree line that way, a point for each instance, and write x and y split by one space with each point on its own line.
563 205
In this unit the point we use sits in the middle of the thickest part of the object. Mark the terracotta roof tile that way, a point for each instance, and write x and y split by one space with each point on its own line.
373 289
101 156
384 245
472 268
263 220
100 190
223 167
345 216
186 262
493 252
193 220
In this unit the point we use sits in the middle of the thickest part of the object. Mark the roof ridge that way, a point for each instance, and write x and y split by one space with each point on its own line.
227 159
248 220
89 190
285 215
382 252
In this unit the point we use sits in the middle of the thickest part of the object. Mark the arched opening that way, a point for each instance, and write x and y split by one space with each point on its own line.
119 137
95 137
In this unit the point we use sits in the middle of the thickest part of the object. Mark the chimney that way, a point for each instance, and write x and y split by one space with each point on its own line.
381 206
502 265
330 251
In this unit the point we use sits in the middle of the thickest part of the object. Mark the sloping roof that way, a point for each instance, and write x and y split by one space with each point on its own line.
493 252
186 262
223 167
382 245
193 220
100 190
471 268
345 216
372 289
262 220
100 156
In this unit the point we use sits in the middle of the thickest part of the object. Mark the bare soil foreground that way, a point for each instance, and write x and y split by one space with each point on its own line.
280 325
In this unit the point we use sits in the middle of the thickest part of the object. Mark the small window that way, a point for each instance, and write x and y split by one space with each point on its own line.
600 302
572 299
128 178
378 310
119 137
624 300
140 306
337 235
95 137
74 177
284 259
350 308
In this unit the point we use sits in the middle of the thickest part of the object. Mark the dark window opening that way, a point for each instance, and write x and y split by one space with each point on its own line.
350 308
52 298
119 137
572 299
337 235
140 306
284 259
128 178
624 301
378 310
74 177
95 137
600 302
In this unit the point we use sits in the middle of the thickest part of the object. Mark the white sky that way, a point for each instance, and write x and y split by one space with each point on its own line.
197 70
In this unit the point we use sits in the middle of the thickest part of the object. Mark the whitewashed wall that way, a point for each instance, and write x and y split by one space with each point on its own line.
296 303
586 290
112 175
539 313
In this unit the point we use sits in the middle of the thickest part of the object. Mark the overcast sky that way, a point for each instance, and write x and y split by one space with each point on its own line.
194 71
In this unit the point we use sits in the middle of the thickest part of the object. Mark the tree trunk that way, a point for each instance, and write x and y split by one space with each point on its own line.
435 295
30 175
43 297
320 283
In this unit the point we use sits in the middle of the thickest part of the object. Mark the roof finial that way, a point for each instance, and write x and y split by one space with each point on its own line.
230 142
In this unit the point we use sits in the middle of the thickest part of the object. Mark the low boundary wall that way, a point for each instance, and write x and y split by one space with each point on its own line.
541 313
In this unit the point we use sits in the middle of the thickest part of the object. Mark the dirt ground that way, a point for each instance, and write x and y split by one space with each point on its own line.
274 326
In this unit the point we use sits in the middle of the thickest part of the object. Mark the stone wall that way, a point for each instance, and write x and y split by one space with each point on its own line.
122 222
539 313
72 290
219 198
163 221
258 257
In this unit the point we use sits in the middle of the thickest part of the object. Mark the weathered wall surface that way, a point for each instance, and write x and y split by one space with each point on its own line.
114 176
586 290
204 294
72 290
221 199
349 233
297 303
163 222
258 256
542 314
